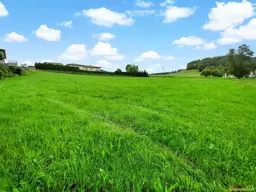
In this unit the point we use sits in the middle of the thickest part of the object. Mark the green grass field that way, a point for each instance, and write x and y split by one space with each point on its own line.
61 132
187 73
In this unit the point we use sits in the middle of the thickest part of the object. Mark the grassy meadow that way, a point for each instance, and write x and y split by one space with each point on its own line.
62 132
187 73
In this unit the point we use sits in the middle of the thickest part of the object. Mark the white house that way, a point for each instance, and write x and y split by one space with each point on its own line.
7 62
85 67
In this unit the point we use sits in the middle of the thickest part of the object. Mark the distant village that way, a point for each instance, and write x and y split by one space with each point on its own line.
25 65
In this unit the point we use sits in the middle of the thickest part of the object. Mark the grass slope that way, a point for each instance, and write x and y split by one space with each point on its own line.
187 73
62 132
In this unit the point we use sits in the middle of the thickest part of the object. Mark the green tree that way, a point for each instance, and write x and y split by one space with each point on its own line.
192 65
132 69
213 71
118 71
1 56
240 61
127 68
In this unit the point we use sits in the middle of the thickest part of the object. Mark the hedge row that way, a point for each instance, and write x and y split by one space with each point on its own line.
213 71
57 67
63 68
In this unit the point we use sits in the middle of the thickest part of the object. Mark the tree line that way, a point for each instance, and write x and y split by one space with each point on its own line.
131 70
239 63
55 67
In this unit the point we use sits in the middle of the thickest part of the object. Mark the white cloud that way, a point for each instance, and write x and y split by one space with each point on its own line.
226 40
151 69
103 36
156 68
209 46
189 41
168 57
139 59
235 35
29 63
107 51
15 37
116 57
74 52
45 61
152 55
140 12
247 32
196 42
166 2
67 24
104 49
230 14
173 13
106 65
107 18
48 34
3 11
143 4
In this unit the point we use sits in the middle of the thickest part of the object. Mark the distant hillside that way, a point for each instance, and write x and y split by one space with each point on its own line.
200 65
187 73
219 61
179 73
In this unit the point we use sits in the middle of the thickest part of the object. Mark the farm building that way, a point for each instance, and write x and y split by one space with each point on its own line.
85 67
7 62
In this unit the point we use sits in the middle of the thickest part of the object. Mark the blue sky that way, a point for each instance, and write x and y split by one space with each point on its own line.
112 33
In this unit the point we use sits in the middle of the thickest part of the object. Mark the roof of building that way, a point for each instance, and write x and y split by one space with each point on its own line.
88 66
4 52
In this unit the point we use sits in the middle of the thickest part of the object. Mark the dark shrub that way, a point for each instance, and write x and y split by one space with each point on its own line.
54 67
1 74
7 73
19 71
1 56
11 68
10 71
16 70
141 74
118 72
212 71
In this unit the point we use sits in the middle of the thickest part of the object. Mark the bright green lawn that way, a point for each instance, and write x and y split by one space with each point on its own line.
187 73
61 132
